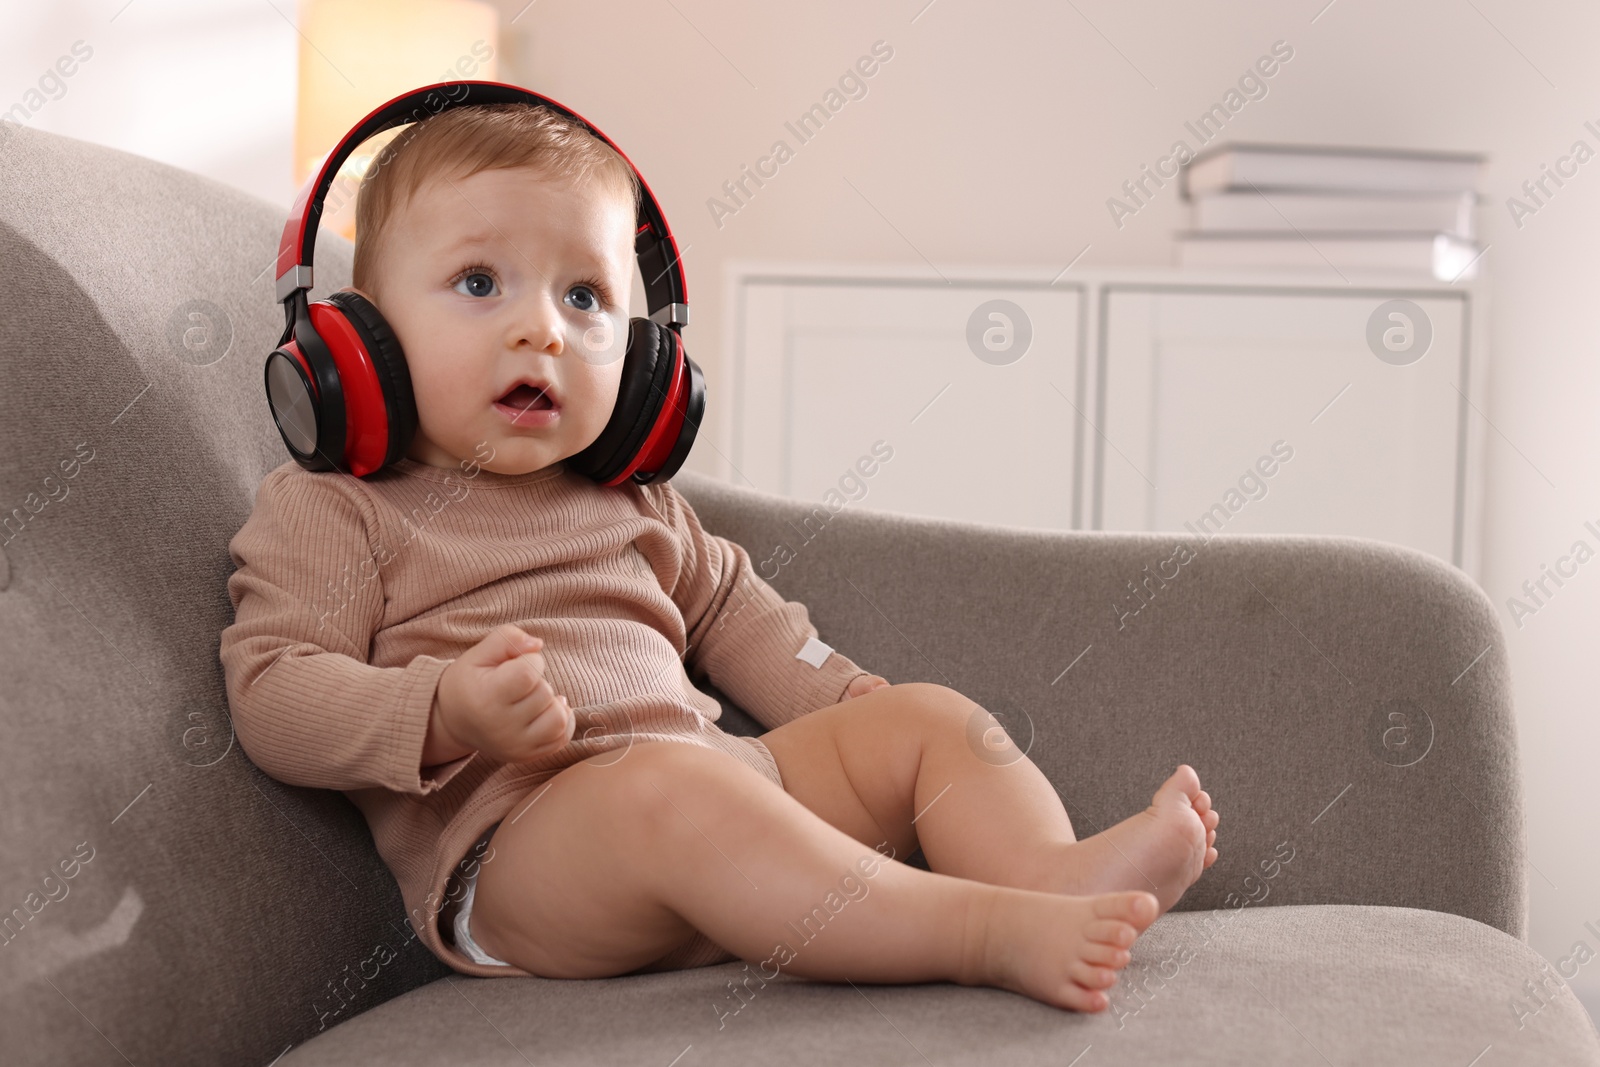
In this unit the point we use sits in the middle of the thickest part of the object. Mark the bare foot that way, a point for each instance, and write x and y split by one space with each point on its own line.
1060 950
1163 849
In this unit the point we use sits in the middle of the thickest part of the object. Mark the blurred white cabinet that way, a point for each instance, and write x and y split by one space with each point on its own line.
1154 400
828 367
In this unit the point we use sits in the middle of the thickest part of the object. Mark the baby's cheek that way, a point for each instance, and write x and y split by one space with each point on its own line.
443 399
430 416
597 398
601 345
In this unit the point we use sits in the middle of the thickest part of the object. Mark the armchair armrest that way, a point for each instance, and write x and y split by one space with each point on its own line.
1347 702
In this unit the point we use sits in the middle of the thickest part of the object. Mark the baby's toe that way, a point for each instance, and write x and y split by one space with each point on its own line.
1181 788
1091 976
1112 933
1134 907
1105 955
1077 998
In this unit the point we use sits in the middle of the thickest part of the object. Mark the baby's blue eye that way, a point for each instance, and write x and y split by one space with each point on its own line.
476 282
589 300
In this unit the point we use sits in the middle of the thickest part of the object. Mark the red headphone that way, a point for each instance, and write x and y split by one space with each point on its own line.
338 385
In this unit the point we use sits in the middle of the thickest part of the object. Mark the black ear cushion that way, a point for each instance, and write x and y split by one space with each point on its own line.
647 369
394 379
694 409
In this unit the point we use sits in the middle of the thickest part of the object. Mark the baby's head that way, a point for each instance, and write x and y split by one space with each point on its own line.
497 240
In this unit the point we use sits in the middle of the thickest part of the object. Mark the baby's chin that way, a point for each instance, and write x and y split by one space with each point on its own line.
501 464
508 453
514 457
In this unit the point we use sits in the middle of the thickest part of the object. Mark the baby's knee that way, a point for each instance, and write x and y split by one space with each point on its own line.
933 701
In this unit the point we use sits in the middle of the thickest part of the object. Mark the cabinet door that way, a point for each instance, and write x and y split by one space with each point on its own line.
828 368
1196 387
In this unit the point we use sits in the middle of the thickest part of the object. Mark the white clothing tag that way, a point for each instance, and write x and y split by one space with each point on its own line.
815 652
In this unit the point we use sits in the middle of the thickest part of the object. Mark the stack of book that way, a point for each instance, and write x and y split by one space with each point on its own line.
1275 206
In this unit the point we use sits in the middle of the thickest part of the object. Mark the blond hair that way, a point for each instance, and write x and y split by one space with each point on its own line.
461 142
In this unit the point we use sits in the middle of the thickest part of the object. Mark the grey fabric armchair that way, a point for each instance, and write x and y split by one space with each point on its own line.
1346 702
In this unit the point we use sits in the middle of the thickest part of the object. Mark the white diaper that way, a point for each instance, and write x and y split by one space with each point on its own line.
469 948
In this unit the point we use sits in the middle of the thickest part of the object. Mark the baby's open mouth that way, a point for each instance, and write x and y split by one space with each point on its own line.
527 398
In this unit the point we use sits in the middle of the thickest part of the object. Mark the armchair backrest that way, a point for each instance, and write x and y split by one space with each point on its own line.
192 908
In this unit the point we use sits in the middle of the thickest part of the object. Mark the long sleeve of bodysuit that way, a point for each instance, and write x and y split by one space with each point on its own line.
307 591
741 633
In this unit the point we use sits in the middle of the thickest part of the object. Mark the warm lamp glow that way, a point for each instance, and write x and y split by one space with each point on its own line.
356 54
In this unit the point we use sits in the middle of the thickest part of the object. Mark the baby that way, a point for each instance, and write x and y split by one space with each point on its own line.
493 656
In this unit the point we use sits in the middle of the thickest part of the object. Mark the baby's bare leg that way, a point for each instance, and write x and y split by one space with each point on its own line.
921 764
617 863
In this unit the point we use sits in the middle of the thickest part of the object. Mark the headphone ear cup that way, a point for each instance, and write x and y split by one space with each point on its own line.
647 368
693 405
389 367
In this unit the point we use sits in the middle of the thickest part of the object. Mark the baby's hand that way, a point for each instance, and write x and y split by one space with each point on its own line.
494 699
864 683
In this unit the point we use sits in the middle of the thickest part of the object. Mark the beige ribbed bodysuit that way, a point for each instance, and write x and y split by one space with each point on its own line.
351 597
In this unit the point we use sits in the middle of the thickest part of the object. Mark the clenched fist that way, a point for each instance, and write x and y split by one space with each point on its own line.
494 699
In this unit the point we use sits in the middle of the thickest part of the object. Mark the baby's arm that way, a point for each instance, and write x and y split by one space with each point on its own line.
742 634
308 707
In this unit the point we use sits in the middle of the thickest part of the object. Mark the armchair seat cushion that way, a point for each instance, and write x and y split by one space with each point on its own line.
1296 984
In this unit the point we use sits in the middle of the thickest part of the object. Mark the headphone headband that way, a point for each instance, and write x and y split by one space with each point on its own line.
666 292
